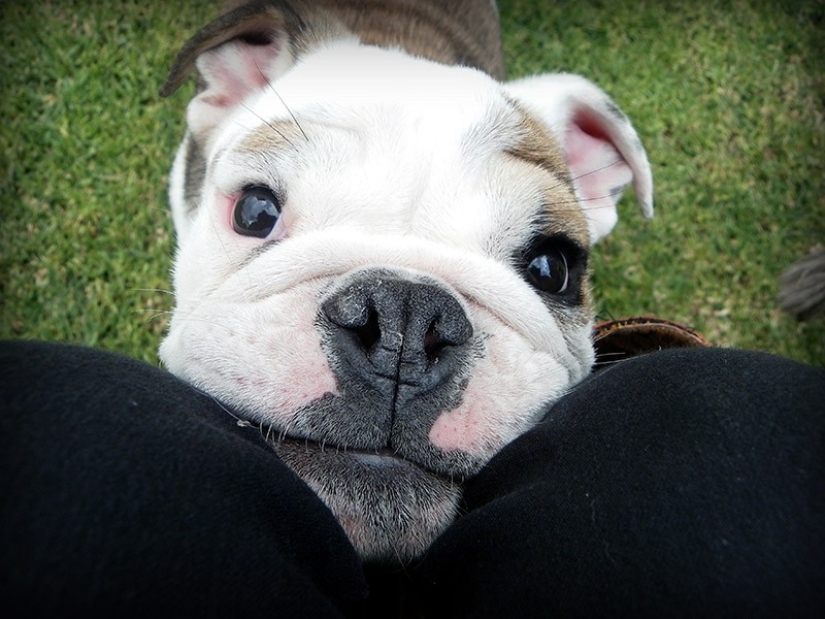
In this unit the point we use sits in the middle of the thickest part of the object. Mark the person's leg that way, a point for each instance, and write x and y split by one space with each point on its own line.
125 492
682 483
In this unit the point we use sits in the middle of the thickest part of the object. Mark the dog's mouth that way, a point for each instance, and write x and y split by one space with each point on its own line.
309 458
381 459
391 508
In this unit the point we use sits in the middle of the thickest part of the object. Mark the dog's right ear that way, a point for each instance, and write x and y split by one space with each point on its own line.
235 55
602 149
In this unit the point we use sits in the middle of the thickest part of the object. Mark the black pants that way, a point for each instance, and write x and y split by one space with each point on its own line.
684 482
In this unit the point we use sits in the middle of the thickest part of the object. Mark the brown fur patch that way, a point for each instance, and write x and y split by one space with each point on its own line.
459 32
563 214
274 135
195 173
539 148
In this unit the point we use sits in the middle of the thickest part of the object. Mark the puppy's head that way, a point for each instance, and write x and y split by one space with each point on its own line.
383 260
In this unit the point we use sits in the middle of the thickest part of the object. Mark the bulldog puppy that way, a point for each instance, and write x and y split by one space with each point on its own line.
383 248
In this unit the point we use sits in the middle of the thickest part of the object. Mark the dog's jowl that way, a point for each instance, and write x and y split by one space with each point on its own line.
383 247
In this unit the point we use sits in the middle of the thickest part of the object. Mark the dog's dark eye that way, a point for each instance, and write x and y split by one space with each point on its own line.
256 212
548 271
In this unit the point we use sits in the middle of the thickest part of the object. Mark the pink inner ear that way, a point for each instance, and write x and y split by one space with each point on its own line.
232 72
599 172
235 70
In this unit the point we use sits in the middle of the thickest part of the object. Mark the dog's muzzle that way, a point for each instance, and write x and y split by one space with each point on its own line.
401 347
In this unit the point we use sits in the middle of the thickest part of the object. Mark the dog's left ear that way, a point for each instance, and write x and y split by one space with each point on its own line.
603 152
237 54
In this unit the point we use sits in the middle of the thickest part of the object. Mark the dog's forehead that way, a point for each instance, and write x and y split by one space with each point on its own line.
380 95
346 76
443 151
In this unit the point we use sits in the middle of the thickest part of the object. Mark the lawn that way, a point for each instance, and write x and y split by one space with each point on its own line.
728 97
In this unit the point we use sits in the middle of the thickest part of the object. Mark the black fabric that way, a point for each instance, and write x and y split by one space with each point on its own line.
125 492
686 482
682 483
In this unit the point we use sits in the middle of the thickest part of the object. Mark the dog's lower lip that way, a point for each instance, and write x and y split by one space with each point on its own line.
382 454
383 457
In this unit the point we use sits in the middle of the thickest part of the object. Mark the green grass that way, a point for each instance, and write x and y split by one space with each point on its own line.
728 97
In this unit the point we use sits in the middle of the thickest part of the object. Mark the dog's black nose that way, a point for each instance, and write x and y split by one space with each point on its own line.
384 327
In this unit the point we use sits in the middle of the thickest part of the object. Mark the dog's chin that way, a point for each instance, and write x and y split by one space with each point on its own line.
390 508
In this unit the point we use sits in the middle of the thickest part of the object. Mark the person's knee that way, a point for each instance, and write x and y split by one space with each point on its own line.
690 479
123 486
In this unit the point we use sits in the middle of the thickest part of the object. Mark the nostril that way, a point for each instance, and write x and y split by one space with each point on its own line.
369 333
433 343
